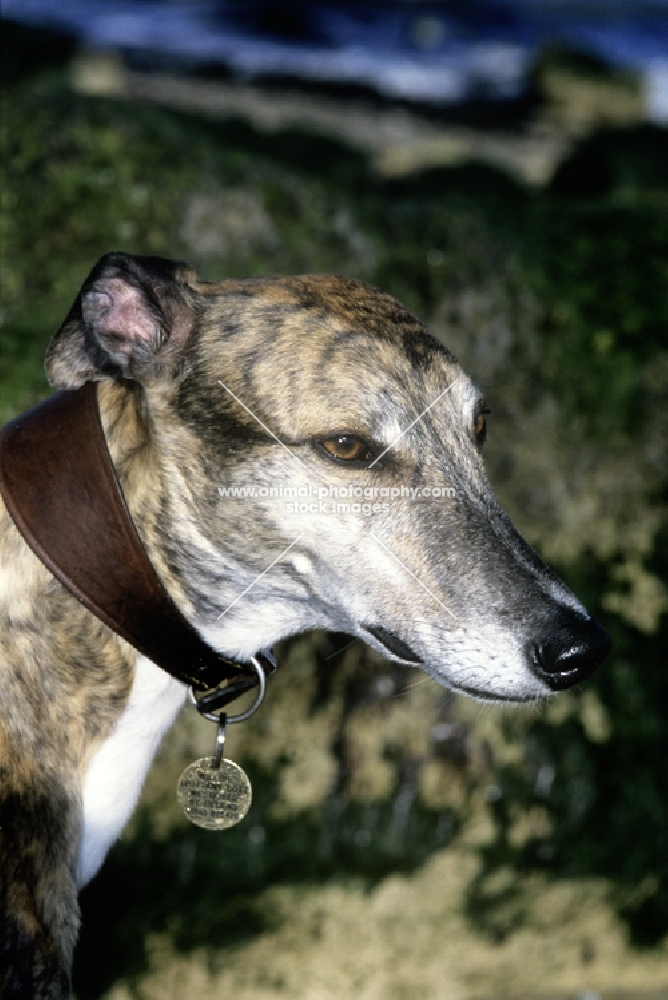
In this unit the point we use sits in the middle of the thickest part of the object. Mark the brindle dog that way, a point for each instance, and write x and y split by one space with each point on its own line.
356 439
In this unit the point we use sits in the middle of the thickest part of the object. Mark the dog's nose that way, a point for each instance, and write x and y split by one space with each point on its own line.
571 654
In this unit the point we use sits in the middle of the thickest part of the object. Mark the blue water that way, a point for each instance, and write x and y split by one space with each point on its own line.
424 51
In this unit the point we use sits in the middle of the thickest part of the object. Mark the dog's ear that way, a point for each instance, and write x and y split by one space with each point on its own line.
131 319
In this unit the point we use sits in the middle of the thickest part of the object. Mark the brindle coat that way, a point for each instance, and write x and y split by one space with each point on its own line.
305 383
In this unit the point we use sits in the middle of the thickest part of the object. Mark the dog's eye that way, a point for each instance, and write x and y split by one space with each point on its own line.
480 426
348 448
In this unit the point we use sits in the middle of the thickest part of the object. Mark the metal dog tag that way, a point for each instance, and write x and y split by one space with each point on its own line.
213 792
213 796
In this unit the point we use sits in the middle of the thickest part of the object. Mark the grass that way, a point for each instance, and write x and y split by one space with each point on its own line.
556 301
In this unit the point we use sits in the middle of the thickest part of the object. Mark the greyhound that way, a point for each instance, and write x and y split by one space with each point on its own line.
296 453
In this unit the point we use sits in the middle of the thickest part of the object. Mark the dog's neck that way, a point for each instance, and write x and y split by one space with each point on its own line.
141 475
62 489
152 475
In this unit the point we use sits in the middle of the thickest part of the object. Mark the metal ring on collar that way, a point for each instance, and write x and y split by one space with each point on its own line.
241 716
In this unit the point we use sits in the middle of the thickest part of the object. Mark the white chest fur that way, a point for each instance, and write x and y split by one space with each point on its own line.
116 773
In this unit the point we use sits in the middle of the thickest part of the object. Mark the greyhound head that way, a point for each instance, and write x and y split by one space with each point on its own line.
310 457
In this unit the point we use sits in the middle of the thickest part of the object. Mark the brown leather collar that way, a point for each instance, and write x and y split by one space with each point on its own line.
61 489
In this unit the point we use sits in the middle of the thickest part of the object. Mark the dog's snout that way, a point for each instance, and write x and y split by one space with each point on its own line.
571 654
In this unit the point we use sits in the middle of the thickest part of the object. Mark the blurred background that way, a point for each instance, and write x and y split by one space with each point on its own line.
501 166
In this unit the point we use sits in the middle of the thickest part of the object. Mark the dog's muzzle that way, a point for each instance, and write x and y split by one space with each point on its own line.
571 654
393 644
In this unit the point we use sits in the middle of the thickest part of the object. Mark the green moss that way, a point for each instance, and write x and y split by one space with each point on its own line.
556 299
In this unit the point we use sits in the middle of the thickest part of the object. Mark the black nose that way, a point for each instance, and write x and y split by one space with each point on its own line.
572 652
